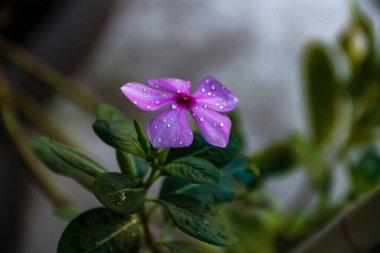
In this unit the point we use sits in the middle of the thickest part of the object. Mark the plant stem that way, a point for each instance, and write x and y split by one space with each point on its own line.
13 126
49 75
148 236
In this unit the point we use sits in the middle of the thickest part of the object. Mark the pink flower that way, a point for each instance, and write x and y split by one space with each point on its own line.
170 128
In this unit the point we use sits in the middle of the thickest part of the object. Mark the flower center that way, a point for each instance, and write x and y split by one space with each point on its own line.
186 100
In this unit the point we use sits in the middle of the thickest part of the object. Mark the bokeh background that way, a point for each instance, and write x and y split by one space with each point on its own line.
253 47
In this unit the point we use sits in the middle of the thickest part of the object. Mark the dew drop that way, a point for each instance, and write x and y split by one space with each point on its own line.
180 142
221 107
236 99
144 90
168 125
178 91
209 94
157 102
213 87
148 107
221 124
191 133
135 102
174 106
159 139
201 119
193 114
164 119
203 90
196 108
155 126
205 106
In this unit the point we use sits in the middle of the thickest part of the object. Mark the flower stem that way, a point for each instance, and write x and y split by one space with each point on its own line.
148 235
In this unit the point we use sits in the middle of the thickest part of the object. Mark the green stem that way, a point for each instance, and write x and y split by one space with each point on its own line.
148 235
49 75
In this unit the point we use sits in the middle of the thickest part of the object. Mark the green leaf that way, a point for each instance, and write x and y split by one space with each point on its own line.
365 173
142 137
322 90
181 247
126 164
101 231
107 112
274 160
193 169
117 135
57 165
192 217
119 193
73 157
236 181
200 148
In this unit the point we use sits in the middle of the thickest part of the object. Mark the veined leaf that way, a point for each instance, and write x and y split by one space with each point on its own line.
57 165
194 170
72 157
117 135
200 148
236 181
192 217
142 137
119 193
101 231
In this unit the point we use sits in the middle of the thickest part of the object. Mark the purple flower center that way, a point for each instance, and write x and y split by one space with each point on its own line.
185 100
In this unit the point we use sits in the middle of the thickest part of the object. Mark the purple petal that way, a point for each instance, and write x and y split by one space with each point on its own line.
214 127
146 98
170 128
213 95
171 84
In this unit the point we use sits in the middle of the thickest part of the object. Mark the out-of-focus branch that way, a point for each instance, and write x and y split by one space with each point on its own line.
48 75
14 129
356 230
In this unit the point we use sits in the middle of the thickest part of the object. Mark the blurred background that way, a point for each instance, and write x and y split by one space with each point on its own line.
253 47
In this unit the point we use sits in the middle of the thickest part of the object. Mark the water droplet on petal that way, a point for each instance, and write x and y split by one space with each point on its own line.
180 142
203 90
193 114
168 125
196 108
221 107
157 102
221 124
135 102
155 126
164 119
148 107
205 106
191 133
128 84
178 91
201 119
159 139
174 106
209 94
213 87
144 90
207 80
236 99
